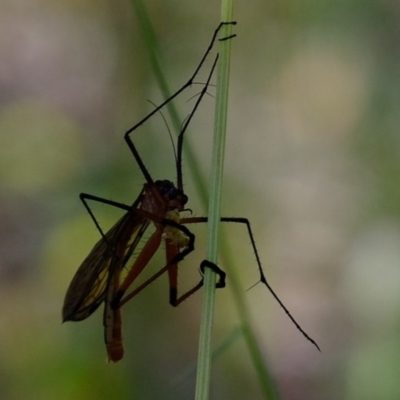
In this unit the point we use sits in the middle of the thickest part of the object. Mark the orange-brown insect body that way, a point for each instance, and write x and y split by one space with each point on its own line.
98 278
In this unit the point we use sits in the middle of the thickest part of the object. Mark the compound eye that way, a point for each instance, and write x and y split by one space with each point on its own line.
184 199
172 194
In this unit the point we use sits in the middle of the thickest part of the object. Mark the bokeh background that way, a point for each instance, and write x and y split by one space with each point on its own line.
313 160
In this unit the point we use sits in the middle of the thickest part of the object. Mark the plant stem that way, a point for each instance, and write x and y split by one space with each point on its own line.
217 163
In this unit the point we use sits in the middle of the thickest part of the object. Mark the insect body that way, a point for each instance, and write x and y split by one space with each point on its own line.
98 278
109 270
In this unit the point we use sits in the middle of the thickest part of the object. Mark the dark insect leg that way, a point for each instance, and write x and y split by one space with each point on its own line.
173 258
214 267
186 124
263 279
171 253
139 265
85 196
186 85
145 256
119 300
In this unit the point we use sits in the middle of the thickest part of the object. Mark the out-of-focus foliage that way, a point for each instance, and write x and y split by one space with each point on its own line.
313 160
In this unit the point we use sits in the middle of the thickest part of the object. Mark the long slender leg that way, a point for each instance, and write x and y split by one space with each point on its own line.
140 263
119 300
214 267
85 196
146 255
186 85
171 252
263 279
173 256
186 124
174 300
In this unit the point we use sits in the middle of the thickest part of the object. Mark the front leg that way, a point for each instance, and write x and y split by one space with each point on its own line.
214 267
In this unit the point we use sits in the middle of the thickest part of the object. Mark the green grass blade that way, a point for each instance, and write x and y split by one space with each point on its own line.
214 211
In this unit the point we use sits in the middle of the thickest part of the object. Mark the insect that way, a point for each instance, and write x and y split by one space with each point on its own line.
108 271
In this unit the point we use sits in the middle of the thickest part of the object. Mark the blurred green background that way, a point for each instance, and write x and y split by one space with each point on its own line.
313 160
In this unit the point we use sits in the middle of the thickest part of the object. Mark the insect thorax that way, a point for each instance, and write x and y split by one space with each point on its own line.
173 234
161 197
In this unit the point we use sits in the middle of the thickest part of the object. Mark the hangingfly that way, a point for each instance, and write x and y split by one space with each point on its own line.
99 278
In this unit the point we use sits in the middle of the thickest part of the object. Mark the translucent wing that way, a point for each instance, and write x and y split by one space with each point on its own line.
88 288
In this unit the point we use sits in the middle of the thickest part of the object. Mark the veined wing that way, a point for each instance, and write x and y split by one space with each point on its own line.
88 288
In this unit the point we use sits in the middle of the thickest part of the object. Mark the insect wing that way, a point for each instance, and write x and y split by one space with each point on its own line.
89 286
